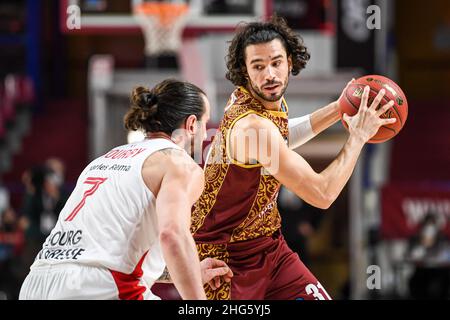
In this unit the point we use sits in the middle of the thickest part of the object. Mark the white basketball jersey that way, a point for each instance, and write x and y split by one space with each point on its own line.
110 221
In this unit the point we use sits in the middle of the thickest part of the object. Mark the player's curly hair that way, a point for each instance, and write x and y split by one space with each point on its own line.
165 107
262 32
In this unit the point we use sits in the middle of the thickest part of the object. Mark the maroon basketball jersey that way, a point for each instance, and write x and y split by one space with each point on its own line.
239 201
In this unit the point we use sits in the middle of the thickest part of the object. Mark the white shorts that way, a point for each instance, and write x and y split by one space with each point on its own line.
67 281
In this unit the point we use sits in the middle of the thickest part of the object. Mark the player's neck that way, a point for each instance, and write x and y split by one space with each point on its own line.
272 105
158 135
179 139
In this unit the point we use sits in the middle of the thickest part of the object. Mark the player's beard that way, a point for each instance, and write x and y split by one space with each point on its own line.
272 97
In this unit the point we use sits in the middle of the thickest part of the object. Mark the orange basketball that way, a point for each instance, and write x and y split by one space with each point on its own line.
351 99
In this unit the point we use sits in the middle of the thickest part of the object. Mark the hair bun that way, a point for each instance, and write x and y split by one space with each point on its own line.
147 100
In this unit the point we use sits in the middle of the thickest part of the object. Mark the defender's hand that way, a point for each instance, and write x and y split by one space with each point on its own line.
213 271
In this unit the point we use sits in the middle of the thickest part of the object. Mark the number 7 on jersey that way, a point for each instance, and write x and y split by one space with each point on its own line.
96 182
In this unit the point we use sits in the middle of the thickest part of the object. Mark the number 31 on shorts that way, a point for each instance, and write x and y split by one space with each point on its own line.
314 290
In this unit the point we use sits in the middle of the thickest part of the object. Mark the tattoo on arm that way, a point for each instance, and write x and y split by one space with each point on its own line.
165 277
167 152
171 151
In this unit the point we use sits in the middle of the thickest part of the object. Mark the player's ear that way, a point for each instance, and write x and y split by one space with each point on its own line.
246 76
290 63
191 124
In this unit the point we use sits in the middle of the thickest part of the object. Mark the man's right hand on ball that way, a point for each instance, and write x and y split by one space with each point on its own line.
366 122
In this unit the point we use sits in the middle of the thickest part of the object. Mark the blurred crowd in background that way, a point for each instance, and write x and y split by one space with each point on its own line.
23 231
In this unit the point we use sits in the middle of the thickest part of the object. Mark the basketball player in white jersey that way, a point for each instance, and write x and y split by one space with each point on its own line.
129 214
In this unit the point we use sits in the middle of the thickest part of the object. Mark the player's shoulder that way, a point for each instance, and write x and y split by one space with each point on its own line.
180 163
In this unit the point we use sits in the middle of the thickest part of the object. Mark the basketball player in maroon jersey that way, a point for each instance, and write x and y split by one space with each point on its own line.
236 218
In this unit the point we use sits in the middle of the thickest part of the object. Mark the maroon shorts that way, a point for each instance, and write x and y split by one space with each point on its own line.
264 269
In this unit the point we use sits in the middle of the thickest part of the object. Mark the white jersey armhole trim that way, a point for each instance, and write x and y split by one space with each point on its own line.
142 166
